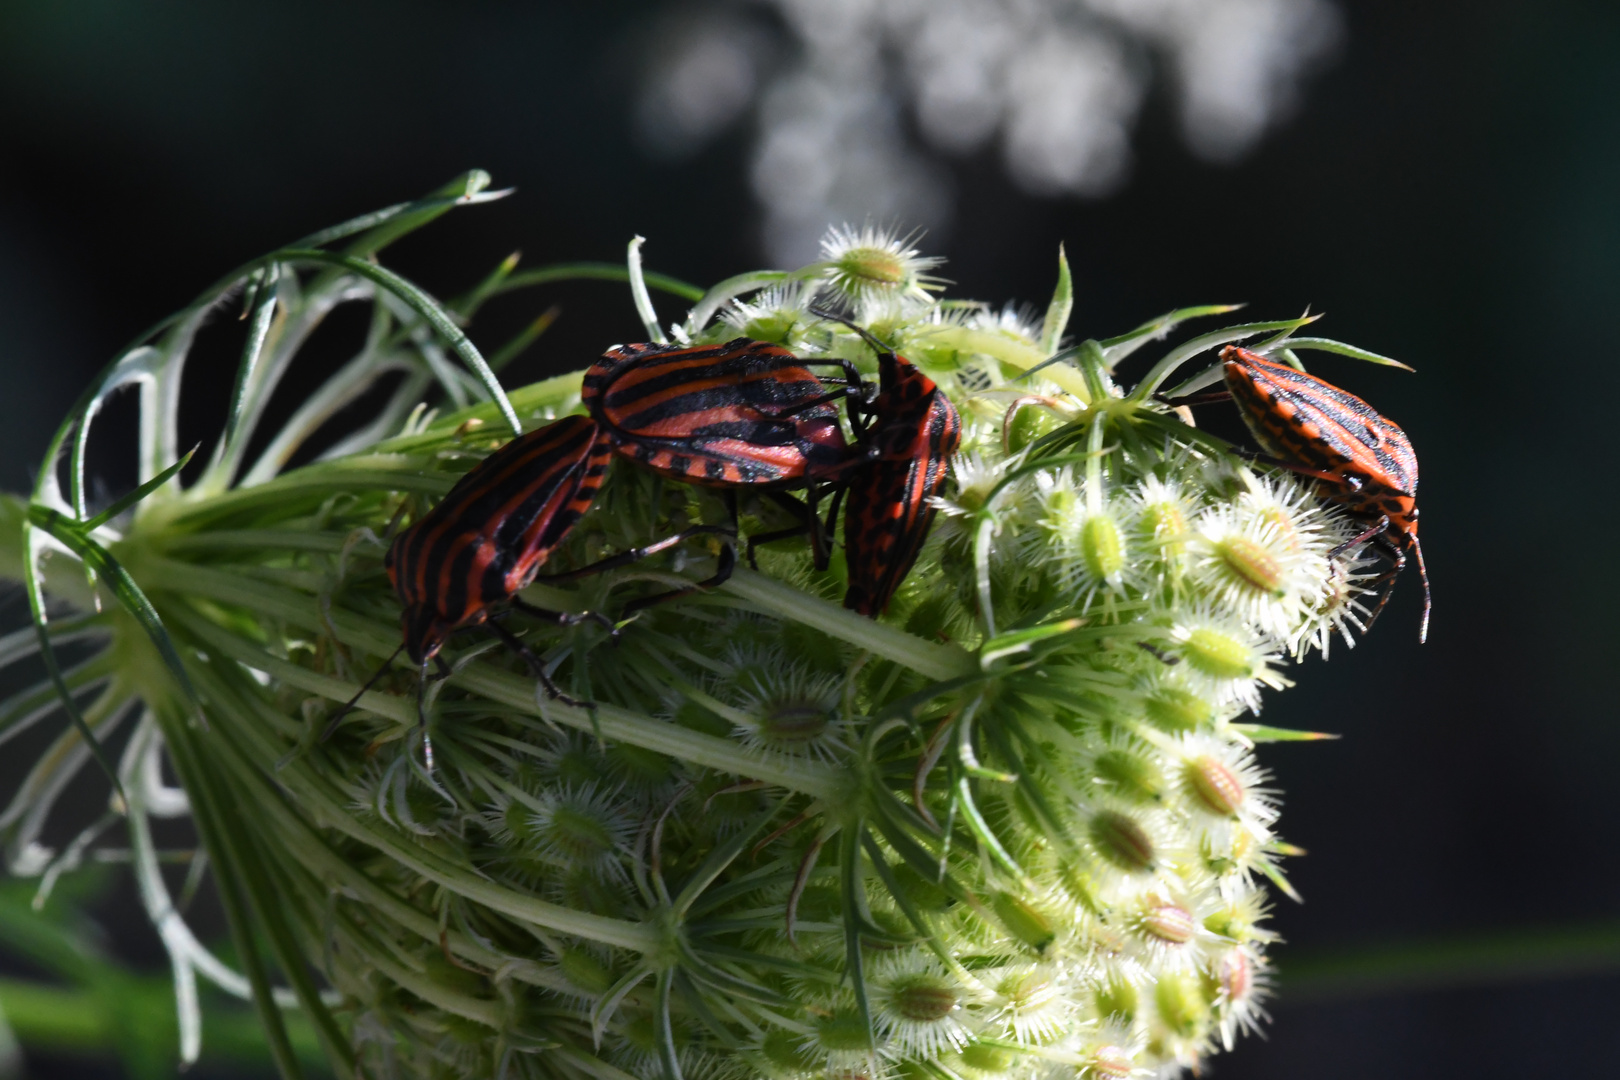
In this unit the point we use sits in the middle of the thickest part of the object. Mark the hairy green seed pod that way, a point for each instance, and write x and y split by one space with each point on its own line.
1135 776
1169 922
924 1001
1115 999
991 1060
1175 709
1218 655
1023 921
845 1030
1252 564
1102 547
1181 1005
1217 786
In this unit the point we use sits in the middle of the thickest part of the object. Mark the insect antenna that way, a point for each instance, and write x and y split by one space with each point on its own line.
865 334
331 725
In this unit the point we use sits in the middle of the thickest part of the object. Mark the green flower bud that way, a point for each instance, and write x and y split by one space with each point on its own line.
1102 547
1023 921
1218 655
787 1051
843 1031
1181 1005
989 1060
1115 999
1175 709
1027 423
924 1001
1169 922
1133 776
585 971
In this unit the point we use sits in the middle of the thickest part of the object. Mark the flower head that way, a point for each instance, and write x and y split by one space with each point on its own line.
919 1006
874 265
778 314
1223 657
1006 829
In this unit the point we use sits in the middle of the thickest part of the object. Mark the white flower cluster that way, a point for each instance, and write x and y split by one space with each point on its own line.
1121 931
1058 82
1061 869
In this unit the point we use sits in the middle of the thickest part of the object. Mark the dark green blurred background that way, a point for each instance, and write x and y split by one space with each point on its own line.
1449 193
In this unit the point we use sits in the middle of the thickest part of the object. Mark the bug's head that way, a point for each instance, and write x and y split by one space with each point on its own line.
424 632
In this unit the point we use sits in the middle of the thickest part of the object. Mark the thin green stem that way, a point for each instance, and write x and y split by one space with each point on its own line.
610 721
210 824
362 475
325 863
333 807
939 662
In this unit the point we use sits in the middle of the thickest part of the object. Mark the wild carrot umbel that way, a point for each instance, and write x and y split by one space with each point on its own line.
1013 826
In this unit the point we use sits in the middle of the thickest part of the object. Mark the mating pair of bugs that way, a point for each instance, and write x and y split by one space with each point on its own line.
748 414
743 415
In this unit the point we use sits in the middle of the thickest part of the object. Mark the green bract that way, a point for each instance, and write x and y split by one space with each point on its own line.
1011 829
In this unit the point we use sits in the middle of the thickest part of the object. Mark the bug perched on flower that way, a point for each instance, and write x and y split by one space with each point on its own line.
1005 815
742 414
902 465
1362 460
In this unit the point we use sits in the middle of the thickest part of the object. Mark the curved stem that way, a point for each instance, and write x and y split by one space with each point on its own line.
610 721
939 662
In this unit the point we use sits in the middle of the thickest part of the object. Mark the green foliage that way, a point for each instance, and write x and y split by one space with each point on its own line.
81 1003
996 826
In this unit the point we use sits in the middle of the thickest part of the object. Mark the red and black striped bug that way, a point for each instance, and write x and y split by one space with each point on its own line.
484 541
744 414
739 414
728 416
1359 459
901 464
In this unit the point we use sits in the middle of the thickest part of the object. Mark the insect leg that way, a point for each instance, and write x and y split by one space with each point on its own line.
1351 482
625 558
819 539
1397 555
856 389
832 513
808 523
722 574
421 716
866 335
537 666
1196 399
564 618
768 537
1423 573
1379 529
1167 659
803 406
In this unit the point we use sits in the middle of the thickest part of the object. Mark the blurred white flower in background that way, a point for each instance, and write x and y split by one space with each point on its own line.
850 100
